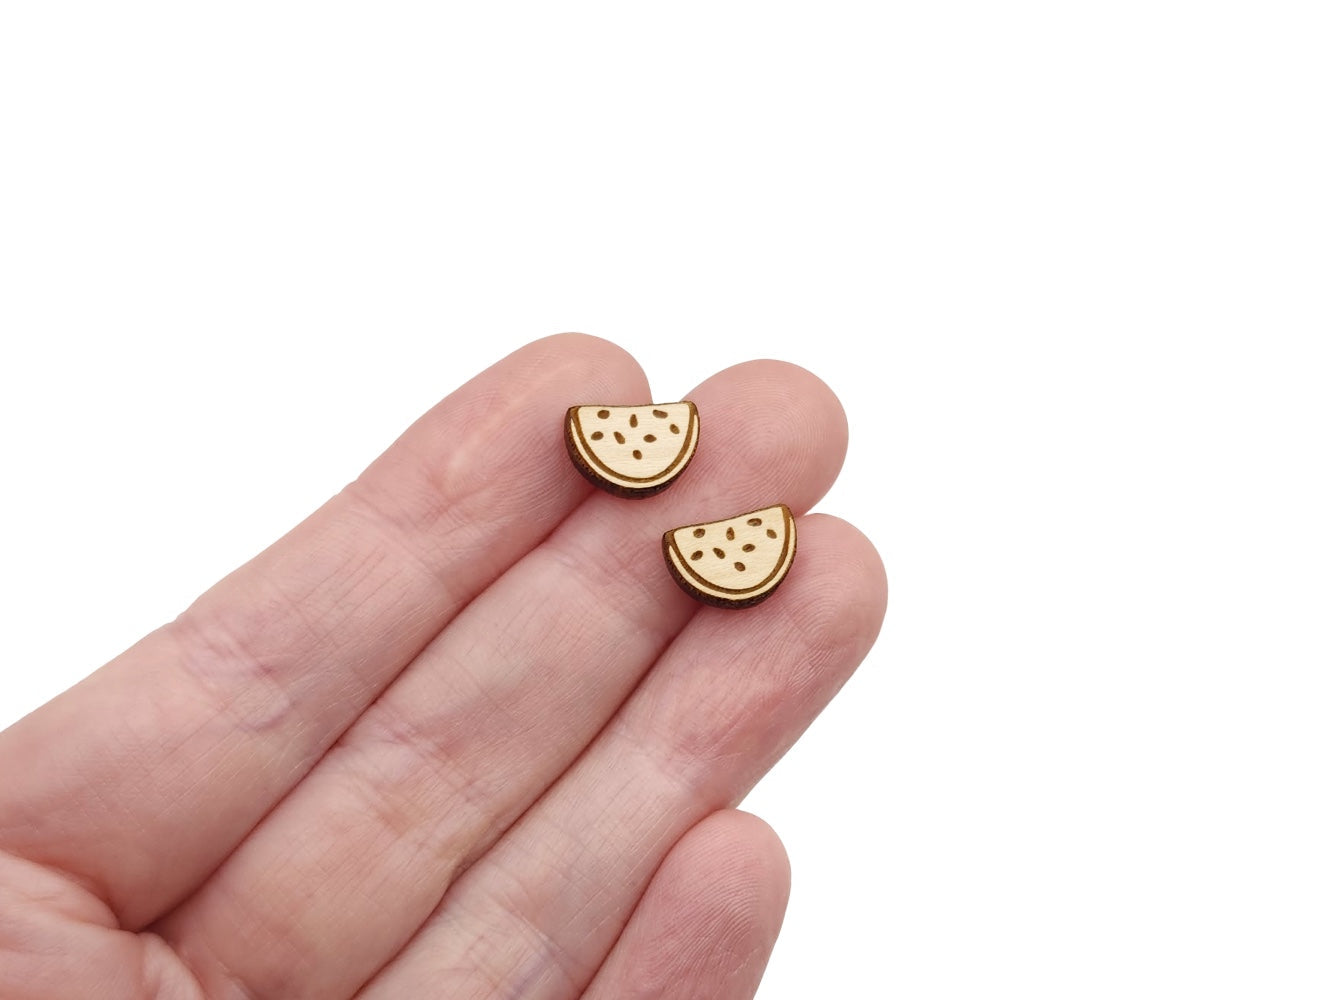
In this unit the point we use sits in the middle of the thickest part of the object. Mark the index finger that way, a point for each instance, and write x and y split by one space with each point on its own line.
142 777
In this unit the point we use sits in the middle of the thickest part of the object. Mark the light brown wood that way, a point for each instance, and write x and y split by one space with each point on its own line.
736 562
632 451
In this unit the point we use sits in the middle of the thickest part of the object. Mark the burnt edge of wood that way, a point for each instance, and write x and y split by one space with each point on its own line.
592 475
710 599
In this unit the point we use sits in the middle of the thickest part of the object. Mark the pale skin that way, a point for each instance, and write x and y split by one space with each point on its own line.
457 734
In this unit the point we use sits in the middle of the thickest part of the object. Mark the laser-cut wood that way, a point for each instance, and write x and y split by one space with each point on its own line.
632 451
736 562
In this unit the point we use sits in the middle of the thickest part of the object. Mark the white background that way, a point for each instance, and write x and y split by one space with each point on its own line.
1070 267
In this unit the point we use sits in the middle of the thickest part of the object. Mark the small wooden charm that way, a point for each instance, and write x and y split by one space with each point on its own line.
632 451
733 563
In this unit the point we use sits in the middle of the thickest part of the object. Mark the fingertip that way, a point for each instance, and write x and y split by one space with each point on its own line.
773 431
845 550
709 918
611 372
729 870
753 847
736 842
823 418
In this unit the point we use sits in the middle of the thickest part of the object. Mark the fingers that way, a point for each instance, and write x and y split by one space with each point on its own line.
540 911
141 778
353 861
59 945
708 921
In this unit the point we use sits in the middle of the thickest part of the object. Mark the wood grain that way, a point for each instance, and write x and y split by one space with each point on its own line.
736 562
632 451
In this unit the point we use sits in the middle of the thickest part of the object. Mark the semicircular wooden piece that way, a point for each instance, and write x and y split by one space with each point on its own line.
736 562
632 451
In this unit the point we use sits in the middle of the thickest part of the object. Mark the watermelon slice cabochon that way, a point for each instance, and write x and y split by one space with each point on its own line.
632 450
735 562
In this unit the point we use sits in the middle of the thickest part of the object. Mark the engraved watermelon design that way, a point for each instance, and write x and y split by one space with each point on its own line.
736 562
632 451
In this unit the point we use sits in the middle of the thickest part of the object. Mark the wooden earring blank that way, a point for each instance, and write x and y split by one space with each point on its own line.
736 562
632 451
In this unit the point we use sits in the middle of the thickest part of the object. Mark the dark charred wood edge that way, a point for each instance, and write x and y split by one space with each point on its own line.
594 477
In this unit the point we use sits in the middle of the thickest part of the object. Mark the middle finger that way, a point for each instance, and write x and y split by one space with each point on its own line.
354 860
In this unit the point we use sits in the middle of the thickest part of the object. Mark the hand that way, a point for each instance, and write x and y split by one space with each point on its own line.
458 734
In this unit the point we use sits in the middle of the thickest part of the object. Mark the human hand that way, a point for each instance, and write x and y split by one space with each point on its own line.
457 734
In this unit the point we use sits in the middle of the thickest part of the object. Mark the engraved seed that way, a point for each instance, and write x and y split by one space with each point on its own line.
720 553
754 522
649 438
674 429
620 438
634 420
637 453
596 435
697 553
699 532
771 533
660 414
740 567
731 535
748 547
604 414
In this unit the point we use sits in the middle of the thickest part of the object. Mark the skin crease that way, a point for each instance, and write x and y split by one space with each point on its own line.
457 734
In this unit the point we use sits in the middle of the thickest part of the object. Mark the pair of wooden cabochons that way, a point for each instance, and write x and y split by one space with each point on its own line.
637 451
